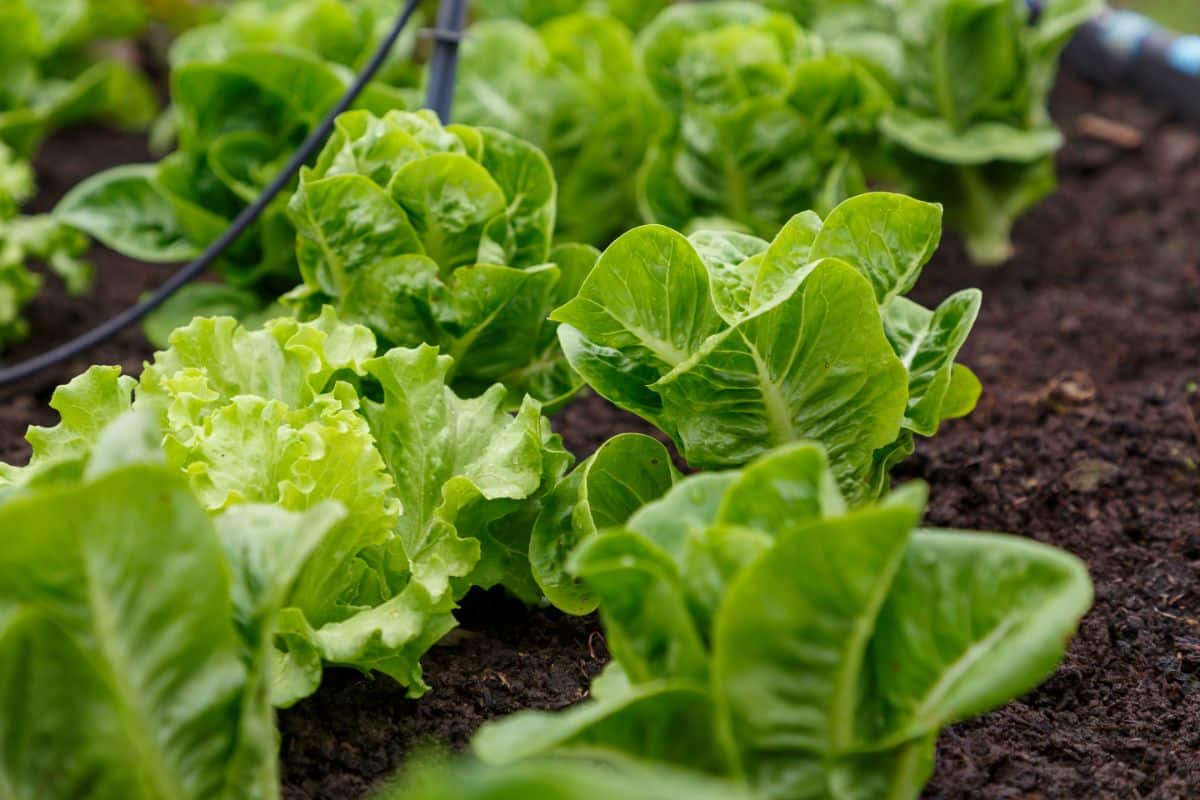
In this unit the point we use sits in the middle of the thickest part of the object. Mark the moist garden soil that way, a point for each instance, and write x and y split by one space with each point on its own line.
1086 438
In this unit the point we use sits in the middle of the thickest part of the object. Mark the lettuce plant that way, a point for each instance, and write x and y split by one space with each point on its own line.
571 87
23 238
763 632
245 91
443 236
633 13
136 630
970 126
733 345
440 492
763 119
52 73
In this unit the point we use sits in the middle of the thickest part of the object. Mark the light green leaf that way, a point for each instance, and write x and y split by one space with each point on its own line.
998 613
86 406
561 779
626 473
981 143
813 366
889 238
797 647
666 721
928 342
123 595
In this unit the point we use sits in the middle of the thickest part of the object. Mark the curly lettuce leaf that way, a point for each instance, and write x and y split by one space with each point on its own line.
820 649
440 492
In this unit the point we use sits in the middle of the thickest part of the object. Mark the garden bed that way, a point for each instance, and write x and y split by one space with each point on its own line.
1086 438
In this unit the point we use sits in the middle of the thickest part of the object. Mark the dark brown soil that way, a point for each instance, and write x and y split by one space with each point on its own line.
1089 349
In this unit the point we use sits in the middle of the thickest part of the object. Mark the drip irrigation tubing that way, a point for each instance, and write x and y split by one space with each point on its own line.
451 18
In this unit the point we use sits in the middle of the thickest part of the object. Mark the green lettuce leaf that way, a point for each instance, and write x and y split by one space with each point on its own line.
562 779
634 13
246 89
970 127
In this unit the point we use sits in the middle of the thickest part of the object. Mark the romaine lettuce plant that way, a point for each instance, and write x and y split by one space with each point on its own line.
943 99
763 632
442 236
763 120
440 492
136 630
245 91
571 87
733 345
970 126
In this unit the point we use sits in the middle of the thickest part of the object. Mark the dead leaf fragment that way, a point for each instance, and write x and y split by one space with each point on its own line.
1090 474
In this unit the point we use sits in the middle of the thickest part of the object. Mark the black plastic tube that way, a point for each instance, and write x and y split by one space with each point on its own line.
134 314
1122 48
443 67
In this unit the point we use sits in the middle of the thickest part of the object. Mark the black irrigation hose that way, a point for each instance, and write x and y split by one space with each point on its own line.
134 314
443 67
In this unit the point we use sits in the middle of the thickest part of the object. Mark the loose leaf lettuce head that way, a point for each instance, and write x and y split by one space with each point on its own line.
971 80
245 91
763 119
440 492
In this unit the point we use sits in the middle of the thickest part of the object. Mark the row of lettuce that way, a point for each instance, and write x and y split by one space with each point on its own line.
190 549
720 115
321 485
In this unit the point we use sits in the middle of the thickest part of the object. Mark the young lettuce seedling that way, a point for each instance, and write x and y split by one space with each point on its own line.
733 345
765 632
